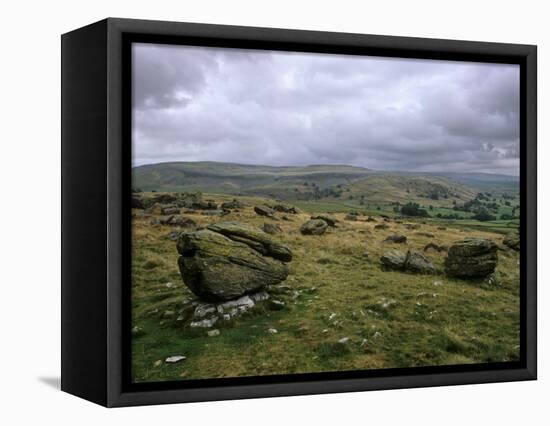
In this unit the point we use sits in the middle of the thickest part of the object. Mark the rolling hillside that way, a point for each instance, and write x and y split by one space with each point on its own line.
342 183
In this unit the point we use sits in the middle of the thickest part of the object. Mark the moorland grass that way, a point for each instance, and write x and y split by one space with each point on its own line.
392 319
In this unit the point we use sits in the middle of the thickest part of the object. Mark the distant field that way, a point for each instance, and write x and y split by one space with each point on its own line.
393 319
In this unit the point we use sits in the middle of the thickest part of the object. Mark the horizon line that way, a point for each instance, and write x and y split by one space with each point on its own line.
320 164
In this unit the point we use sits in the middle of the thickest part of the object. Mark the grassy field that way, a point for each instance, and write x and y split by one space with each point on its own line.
392 319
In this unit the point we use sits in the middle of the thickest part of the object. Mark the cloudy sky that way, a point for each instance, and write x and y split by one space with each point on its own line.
287 108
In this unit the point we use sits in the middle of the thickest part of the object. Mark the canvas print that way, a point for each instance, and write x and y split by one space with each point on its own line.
307 212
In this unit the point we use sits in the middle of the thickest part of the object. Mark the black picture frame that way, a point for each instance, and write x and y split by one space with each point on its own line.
96 143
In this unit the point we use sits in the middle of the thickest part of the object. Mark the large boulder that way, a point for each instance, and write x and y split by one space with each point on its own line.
512 241
330 220
253 237
217 268
264 211
314 227
471 258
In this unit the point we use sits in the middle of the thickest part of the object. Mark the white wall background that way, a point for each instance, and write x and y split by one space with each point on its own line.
30 212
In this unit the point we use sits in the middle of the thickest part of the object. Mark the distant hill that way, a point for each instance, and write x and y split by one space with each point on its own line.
317 182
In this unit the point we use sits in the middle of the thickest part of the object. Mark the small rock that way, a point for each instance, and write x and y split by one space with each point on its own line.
205 323
272 331
137 331
343 340
438 283
213 333
169 285
276 305
174 359
396 238
157 363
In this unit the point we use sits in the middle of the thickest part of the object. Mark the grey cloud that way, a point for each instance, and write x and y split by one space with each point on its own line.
282 108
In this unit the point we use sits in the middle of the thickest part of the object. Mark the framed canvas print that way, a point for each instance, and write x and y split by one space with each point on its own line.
253 212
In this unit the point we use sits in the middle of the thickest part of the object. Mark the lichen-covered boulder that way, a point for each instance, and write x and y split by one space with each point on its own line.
314 227
330 220
413 261
264 211
512 241
216 267
253 237
471 258
417 263
393 260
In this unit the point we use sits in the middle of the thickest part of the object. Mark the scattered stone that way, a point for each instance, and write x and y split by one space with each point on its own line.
174 359
260 296
213 333
377 335
438 283
272 229
412 261
272 331
285 208
344 340
168 314
366 254
157 363
205 323
276 305
330 220
396 238
381 226
203 205
442 228
167 211
216 267
371 219
351 217
512 241
137 331
264 211
177 220
471 258
169 285
412 225
235 204
314 227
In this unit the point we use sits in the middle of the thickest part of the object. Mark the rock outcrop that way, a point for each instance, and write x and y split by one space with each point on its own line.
314 227
471 258
230 259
